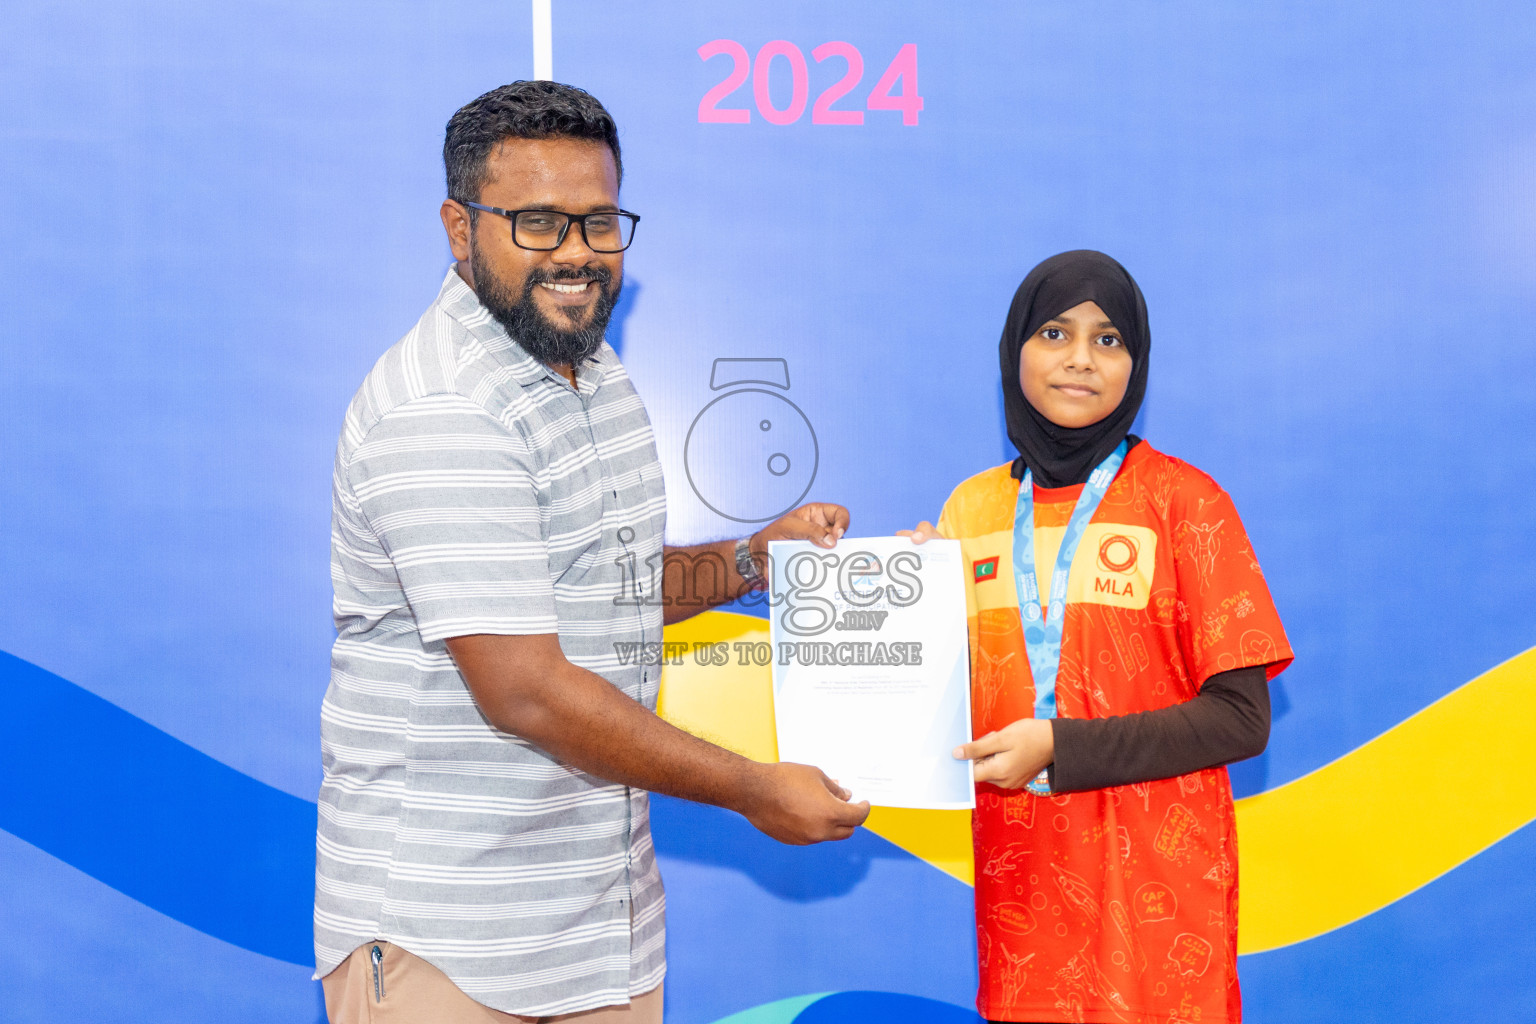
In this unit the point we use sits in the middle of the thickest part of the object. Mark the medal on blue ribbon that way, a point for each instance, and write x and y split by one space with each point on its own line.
1042 631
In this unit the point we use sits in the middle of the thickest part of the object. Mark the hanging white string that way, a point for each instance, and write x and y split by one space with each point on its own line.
543 41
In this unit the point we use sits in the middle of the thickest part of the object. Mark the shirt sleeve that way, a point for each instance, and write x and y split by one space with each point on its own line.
946 522
452 497
1227 619
1228 720
949 527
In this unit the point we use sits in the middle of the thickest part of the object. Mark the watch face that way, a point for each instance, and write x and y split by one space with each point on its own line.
751 455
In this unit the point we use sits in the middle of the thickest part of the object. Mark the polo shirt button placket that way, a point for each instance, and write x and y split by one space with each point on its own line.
627 901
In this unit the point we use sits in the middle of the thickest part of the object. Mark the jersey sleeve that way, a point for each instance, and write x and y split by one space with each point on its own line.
451 496
946 525
1227 619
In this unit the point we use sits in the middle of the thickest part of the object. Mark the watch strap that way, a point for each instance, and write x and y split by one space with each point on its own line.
746 566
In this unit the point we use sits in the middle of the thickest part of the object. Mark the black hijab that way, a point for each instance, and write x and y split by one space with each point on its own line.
1063 456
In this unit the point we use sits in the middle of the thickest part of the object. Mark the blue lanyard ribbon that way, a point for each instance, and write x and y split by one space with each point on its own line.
1042 632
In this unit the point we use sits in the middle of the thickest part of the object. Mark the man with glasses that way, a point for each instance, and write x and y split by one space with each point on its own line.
484 850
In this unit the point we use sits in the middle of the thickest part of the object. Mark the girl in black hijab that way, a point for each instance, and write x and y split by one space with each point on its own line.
1061 456
1105 712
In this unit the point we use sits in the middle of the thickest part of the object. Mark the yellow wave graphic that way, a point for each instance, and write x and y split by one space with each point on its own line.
1317 853
732 705
1390 816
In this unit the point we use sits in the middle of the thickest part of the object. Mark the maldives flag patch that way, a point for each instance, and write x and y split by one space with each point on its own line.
984 568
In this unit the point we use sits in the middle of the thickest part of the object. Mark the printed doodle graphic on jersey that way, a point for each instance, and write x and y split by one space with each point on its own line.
1179 826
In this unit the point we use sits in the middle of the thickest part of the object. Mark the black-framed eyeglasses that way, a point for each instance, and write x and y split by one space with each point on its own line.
543 230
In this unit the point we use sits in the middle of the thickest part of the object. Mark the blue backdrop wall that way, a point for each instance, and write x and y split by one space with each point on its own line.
216 217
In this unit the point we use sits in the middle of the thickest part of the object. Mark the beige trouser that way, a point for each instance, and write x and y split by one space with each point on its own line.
415 992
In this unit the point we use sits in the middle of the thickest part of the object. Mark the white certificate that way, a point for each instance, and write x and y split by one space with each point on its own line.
871 669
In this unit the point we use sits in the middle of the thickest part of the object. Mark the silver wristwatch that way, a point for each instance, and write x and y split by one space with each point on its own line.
746 566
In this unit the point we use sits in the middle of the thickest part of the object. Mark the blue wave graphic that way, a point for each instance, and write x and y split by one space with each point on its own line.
751 922
154 818
200 842
884 1008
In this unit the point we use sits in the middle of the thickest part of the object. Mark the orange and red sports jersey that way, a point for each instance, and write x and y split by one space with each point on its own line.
1116 904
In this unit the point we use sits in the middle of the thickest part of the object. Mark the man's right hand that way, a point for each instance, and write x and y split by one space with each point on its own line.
525 686
798 804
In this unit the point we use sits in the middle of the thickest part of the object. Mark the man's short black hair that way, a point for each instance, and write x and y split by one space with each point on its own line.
522 110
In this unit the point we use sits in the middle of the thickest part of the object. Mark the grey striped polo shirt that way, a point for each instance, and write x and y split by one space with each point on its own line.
476 492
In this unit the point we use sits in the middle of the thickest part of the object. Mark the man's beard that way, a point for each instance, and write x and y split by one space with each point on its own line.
551 343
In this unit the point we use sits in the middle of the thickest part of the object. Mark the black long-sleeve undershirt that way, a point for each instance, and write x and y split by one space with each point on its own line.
1228 720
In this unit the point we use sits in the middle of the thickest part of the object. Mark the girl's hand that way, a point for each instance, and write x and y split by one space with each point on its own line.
1013 755
924 531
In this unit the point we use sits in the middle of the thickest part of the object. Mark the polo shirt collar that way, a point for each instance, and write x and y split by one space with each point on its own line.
460 302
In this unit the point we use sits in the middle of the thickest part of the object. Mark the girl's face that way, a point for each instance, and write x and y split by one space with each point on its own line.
1075 368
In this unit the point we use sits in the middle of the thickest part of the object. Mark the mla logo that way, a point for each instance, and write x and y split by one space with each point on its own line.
1118 553
1124 561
